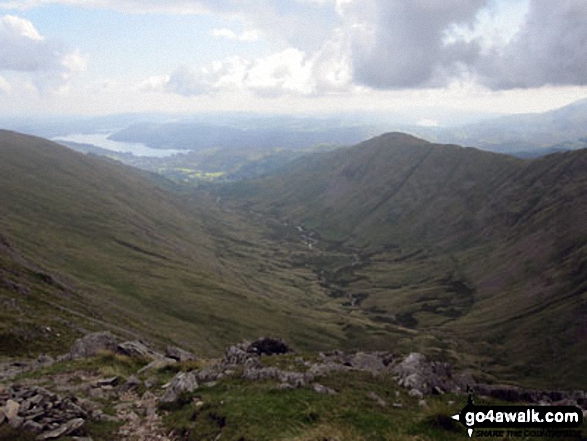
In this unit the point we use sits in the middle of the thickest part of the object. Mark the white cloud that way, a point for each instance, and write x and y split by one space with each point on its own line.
247 36
291 71
24 50
5 87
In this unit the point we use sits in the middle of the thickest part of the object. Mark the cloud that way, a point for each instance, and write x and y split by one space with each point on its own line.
399 44
5 87
550 49
247 36
23 49
290 71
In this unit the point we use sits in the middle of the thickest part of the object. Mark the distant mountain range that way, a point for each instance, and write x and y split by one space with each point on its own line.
538 133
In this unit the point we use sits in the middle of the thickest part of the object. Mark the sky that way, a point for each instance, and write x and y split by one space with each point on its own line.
429 61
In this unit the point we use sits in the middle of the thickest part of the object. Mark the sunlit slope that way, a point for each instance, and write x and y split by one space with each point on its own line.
130 255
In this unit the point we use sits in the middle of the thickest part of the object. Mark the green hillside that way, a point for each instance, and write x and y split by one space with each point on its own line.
395 244
483 253
90 244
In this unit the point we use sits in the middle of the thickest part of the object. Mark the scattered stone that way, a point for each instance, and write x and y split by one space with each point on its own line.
323 389
132 383
178 354
32 426
398 405
380 401
92 344
182 382
63 430
105 382
416 393
422 403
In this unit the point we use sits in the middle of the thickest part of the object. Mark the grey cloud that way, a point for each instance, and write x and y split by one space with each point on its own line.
399 44
550 49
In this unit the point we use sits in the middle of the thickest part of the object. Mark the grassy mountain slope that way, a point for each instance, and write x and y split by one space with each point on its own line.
99 240
484 253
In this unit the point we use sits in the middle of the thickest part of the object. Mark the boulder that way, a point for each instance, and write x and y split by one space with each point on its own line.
237 354
367 362
92 344
269 346
415 372
11 409
135 349
178 354
182 382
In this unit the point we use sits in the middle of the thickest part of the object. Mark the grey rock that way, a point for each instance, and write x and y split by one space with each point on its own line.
182 382
132 383
135 349
367 362
32 426
16 422
158 363
44 360
416 372
323 389
179 354
63 430
416 393
237 354
11 409
110 381
92 344
322 369
210 373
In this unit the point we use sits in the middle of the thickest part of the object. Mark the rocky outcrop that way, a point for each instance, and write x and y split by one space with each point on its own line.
92 344
423 377
249 352
182 382
136 349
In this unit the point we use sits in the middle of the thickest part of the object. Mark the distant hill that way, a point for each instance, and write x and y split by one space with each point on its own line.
563 128
264 134
483 247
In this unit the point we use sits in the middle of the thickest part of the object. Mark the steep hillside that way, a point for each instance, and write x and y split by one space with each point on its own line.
484 253
89 244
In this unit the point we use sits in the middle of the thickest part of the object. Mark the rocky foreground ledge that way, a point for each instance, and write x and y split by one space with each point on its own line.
75 398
